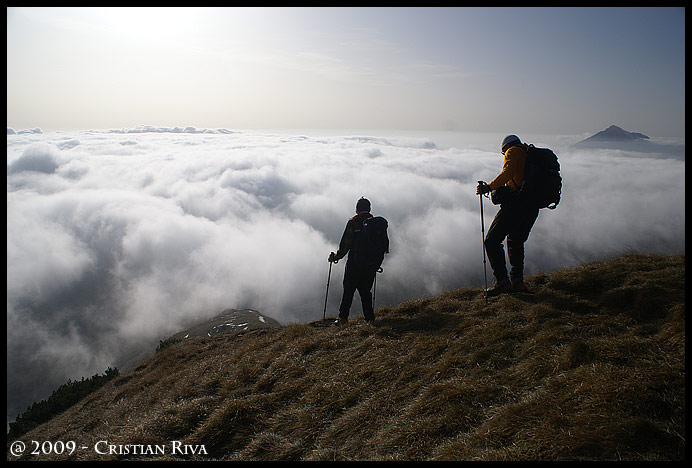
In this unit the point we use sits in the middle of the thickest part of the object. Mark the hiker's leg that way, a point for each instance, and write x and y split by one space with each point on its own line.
350 285
493 243
367 278
515 242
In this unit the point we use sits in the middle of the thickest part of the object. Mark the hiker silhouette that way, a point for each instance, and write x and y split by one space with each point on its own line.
365 241
514 220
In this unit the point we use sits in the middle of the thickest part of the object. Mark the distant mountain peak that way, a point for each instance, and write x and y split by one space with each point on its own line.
615 133
633 143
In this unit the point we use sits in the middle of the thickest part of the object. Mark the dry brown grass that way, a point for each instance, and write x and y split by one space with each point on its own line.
590 366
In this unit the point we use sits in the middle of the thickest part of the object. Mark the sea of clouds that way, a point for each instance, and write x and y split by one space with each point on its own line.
119 238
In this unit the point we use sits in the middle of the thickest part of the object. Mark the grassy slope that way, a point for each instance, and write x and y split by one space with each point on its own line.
591 366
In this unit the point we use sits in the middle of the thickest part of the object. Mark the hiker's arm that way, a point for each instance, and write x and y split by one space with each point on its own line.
510 170
346 241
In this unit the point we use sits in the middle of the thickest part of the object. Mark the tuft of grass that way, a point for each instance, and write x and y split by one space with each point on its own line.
589 366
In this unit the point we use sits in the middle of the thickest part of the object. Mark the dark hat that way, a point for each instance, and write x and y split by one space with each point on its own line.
508 142
363 205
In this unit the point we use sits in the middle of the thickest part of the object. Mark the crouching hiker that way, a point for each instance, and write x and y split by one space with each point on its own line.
365 241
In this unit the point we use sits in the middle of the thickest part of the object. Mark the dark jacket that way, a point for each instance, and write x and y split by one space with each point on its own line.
353 226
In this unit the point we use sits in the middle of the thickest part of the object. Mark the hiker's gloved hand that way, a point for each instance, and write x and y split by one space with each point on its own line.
332 257
483 188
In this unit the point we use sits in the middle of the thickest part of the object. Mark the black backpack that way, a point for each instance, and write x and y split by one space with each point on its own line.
370 244
542 184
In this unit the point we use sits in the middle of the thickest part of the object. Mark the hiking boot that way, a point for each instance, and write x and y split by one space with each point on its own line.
341 321
519 287
500 287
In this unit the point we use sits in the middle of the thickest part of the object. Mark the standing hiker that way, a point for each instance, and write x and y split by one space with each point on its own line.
514 220
365 241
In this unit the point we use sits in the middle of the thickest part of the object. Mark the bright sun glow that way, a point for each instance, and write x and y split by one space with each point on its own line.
149 23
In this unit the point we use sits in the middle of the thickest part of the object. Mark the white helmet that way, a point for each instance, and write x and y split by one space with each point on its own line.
510 140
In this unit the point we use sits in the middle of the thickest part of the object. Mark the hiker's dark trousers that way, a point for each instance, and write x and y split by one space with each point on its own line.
357 279
513 221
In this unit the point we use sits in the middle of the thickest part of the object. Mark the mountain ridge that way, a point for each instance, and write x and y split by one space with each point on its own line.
589 366
228 321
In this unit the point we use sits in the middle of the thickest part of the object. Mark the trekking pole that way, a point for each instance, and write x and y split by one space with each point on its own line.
324 314
374 287
485 275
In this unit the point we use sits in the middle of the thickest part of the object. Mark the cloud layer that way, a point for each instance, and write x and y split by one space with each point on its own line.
122 237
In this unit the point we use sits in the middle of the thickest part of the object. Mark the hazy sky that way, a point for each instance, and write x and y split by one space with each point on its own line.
507 70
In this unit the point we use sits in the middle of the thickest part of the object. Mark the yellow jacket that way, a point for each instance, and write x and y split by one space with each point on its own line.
512 168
